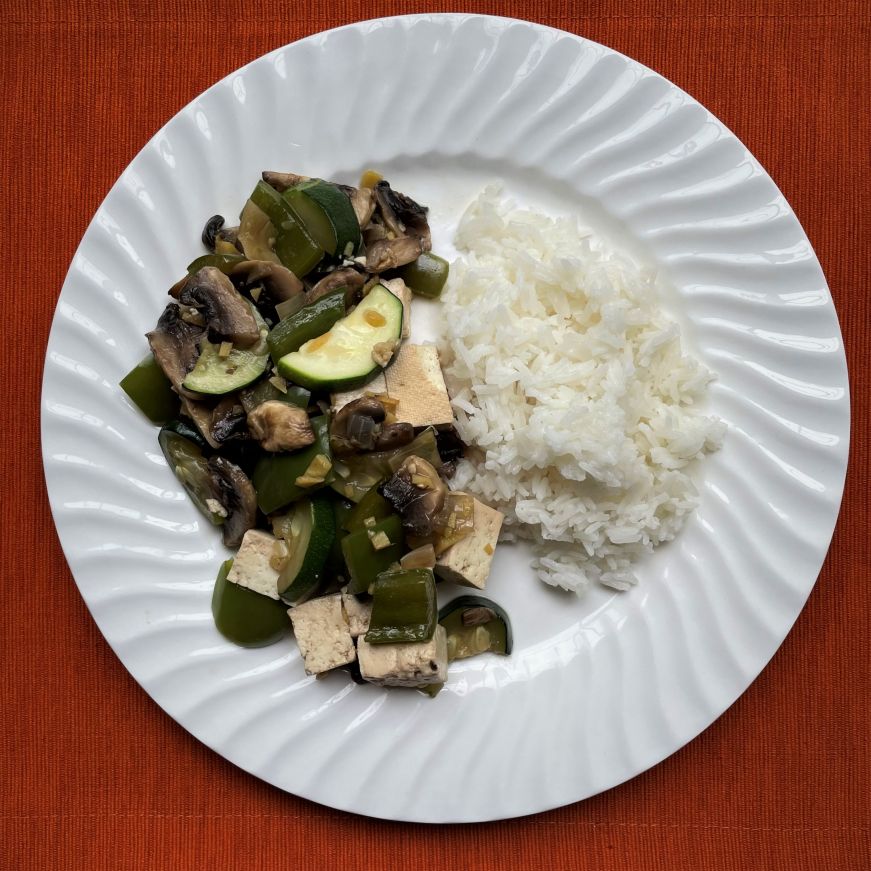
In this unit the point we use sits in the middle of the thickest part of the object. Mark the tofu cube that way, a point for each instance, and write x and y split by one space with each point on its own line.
357 612
251 567
403 292
468 561
322 633
405 665
414 379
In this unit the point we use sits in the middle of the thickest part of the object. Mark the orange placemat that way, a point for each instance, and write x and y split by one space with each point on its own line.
96 777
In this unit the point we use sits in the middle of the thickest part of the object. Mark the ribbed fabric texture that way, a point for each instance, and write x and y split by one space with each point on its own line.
95 776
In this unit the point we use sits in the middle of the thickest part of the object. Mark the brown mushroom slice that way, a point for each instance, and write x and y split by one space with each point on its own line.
356 426
375 232
417 494
394 435
363 203
173 342
281 181
201 414
402 215
227 241
228 316
235 492
228 420
392 253
277 281
280 426
359 426
348 278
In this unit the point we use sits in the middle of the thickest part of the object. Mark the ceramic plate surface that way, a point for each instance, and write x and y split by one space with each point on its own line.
600 688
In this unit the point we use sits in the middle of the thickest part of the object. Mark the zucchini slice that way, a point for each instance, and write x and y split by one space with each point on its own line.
353 351
309 322
328 216
475 625
214 374
309 531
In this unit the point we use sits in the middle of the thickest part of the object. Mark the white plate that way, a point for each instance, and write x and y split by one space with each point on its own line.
598 689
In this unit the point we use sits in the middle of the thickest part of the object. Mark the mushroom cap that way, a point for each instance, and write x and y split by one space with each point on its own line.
401 213
277 281
281 181
392 253
363 203
174 342
228 317
235 492
394 435
348 277
280 426
355 426
228 420
417 493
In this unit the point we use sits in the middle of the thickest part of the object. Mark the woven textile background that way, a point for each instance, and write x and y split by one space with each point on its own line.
94 775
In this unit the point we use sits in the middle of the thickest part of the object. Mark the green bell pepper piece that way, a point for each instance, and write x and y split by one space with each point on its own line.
365 562
151 391
310 321
294 247
245 617
275 475
264 391
403 607
426 276
373 504
336 560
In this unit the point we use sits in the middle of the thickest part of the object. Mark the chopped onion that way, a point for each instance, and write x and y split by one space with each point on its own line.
420 558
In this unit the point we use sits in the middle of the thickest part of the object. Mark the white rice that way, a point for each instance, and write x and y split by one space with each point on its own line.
571 381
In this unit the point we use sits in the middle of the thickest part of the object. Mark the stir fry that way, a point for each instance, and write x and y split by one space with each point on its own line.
303 424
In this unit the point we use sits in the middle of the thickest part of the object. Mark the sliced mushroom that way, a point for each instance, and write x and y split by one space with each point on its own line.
394 435
281 181
277 281
348 278
235 492
402 215
174 345
450 445
279 426
201 414
228 316
229 422
359 426
417 493
392 253
227 241
375 232
363 202
210 231
356 426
